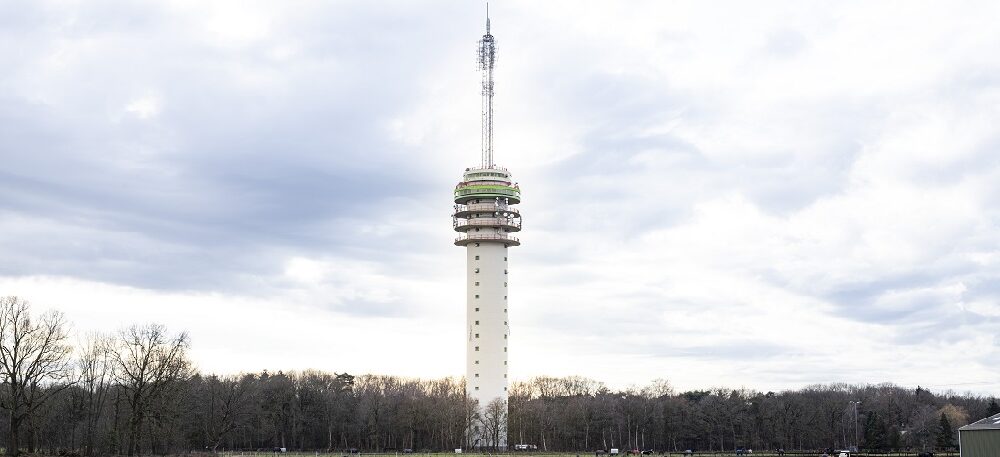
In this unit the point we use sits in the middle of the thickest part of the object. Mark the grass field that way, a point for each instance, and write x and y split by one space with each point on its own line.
564 454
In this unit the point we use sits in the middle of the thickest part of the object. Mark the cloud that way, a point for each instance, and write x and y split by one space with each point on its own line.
714 194
143 107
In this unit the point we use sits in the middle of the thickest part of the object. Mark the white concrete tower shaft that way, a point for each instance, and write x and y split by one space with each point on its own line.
485 218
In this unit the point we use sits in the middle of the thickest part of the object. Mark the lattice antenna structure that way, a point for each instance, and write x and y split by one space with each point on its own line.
487 59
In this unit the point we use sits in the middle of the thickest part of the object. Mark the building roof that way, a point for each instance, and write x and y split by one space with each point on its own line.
990 423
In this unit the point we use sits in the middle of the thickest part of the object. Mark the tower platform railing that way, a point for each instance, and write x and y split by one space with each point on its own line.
491 207
510 223
465 239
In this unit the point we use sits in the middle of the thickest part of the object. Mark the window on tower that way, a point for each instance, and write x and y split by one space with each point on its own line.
477 295
477 322
477 283
477 257
477 348
477 335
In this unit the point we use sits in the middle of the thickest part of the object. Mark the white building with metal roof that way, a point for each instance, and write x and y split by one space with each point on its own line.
980 438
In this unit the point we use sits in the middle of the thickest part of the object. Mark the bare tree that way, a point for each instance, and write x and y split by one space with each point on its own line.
471 421
335 391
96 367
34 362
494 421
222 406
135 391
149 362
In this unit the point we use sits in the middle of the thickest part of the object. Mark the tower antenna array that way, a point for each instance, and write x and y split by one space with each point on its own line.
487 58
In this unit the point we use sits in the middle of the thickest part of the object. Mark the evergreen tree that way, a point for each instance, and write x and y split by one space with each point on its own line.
895 438
946 436
876 432
994 408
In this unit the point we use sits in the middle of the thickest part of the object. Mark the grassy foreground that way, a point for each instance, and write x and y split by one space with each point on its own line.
564 454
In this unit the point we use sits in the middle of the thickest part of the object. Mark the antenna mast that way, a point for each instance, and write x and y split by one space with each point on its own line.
487 58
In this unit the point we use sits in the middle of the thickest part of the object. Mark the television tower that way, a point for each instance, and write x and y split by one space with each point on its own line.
485 217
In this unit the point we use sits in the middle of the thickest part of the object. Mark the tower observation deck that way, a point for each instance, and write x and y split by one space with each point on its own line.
485 218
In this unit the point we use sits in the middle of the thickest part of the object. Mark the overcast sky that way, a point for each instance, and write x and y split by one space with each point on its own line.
760 194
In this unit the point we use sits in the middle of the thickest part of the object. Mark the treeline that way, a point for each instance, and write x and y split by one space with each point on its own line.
576 413
135 392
